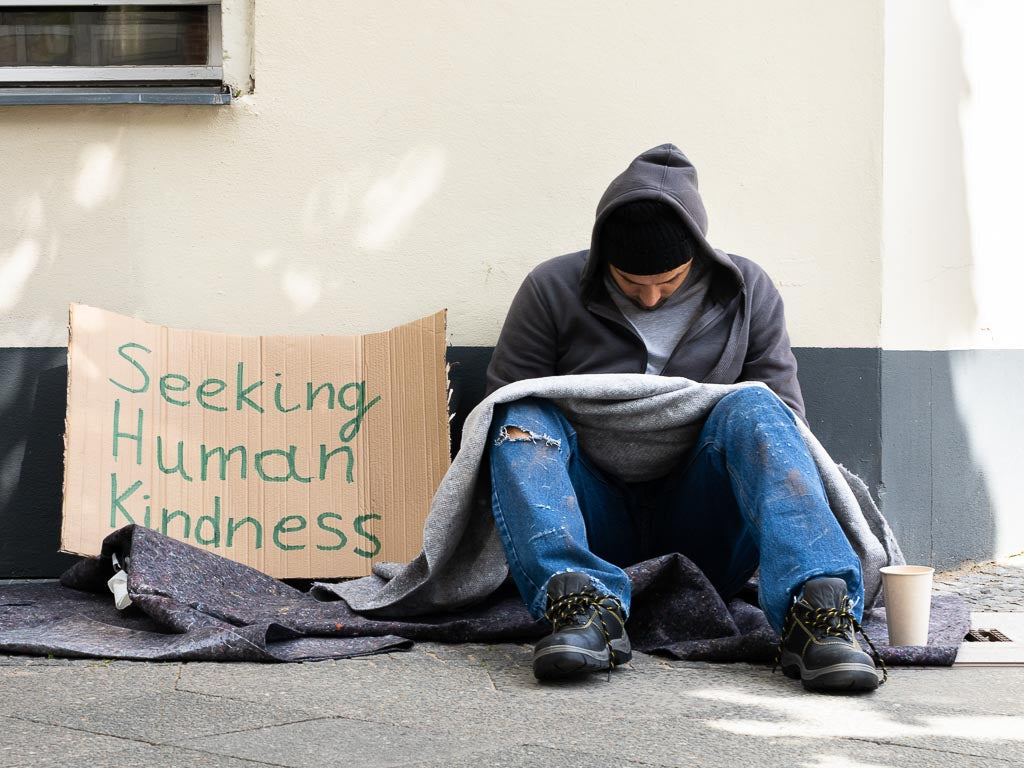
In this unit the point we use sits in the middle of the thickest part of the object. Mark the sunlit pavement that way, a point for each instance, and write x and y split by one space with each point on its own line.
475 705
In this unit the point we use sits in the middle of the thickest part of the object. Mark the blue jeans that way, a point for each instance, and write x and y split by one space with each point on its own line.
748 494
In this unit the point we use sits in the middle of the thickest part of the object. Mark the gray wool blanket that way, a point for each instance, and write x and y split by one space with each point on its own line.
632 425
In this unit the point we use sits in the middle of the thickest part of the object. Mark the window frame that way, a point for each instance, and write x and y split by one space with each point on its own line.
132 75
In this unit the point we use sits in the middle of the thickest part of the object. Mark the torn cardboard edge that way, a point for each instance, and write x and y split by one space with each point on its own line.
302 456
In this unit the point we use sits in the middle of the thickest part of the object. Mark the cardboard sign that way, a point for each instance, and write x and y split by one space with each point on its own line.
303 456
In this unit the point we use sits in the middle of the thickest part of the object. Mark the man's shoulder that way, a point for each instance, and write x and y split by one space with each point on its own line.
754 275
558 279
745 265
566 268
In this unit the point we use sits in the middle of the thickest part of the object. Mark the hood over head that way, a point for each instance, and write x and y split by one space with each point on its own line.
662 174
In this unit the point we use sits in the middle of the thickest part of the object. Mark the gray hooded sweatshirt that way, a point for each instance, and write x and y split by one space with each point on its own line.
563 320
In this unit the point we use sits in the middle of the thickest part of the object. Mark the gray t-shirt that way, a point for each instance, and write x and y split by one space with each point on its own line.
661 329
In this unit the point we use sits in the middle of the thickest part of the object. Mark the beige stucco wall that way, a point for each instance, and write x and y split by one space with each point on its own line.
399 157
953 163
952 238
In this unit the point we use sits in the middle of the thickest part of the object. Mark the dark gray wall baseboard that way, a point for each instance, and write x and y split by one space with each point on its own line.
842 395
935 490
867 406
33 396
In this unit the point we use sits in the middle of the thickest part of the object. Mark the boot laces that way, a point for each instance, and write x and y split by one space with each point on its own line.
829 622
575 607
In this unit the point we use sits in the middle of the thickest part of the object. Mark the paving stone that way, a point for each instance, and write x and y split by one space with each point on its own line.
780 727
663 712
526 756
716 744
482 691
158 717
655 696
860 754
24 743
339 741
83 684
390 689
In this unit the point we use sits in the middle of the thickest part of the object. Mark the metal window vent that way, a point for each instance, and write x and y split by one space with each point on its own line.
986 646
986 636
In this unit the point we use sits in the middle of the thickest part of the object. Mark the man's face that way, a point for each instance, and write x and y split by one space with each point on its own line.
648 292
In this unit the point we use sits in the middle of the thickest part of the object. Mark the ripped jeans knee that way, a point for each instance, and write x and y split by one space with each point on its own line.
510 432
530 420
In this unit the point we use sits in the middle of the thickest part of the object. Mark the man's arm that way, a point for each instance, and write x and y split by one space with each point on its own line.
769 355
528 345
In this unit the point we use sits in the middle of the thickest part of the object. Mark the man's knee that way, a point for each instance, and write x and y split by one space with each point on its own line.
749 400
510 432
531 420
749 409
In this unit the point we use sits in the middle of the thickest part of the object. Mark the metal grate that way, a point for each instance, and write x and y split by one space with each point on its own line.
986 636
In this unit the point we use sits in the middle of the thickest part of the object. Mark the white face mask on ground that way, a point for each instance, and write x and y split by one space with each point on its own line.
118 585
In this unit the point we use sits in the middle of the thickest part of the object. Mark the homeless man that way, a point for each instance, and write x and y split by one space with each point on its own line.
652 296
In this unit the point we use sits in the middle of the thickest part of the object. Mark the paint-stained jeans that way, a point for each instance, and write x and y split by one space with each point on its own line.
748 494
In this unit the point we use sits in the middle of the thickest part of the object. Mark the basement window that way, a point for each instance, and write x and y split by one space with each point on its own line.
148 51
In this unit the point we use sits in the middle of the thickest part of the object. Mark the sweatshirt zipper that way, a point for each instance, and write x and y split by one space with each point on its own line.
617 318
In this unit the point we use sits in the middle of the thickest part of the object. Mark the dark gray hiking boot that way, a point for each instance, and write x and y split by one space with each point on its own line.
819 644
589 630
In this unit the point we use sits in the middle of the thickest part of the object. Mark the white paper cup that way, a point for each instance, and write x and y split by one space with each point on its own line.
908 602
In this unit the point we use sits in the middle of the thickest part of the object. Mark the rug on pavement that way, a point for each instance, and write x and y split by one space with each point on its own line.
193 605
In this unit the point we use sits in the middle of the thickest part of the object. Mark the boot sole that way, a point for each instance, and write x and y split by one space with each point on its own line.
559 662
847 676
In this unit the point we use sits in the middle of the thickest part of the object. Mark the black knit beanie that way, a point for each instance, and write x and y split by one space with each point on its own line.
645 237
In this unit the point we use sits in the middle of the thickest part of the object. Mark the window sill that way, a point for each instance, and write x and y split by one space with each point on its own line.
213 95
